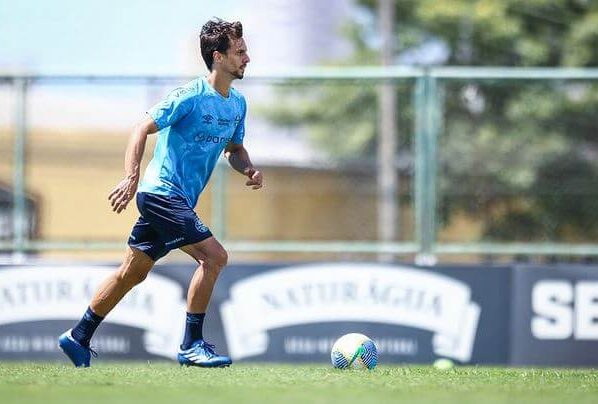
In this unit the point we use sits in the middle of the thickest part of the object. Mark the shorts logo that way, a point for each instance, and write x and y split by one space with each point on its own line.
176 240
202 228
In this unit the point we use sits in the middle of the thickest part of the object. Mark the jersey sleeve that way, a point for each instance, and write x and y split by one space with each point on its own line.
173 108
240 129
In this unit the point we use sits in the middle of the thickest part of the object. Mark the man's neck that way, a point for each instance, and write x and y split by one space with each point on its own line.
220 82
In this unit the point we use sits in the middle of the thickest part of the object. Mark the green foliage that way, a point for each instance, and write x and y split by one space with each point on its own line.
512 32
341 119
339 116
519 156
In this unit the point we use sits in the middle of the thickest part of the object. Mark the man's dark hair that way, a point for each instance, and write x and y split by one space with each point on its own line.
216 35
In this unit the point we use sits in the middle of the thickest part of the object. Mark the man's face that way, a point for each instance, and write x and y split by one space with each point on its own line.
236 58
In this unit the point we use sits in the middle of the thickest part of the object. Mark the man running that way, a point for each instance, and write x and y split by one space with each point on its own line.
195 124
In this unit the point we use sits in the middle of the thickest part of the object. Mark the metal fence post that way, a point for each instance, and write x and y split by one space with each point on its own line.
388 179
19 210
426 128
420 165
218 224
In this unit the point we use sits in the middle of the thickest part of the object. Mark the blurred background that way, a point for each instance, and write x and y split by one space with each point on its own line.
435 131
431 173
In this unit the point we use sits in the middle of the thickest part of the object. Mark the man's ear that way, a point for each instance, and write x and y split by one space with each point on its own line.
217 56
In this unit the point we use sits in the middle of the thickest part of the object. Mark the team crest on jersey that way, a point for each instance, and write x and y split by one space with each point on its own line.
202 228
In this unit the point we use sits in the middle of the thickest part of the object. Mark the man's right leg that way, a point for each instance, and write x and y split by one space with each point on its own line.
134 269
195 351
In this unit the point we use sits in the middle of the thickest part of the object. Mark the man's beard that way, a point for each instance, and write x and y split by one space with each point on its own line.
239 73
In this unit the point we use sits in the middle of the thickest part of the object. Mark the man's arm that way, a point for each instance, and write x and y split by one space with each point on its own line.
238 158
122 194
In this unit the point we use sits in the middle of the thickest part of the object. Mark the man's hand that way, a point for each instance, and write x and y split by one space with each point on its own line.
255 178
122 194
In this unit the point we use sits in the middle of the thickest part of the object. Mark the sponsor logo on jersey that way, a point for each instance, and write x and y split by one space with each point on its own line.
212 139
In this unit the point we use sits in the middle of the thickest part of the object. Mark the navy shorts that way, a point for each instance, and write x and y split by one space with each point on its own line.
166 223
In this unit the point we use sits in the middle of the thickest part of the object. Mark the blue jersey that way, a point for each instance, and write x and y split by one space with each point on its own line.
195 124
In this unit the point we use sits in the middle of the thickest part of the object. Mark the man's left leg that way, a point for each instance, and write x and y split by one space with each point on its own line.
211 257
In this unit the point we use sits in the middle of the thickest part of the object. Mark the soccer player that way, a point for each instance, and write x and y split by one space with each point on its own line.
195 124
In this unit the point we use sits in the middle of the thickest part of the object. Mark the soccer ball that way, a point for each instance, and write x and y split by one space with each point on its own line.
354 350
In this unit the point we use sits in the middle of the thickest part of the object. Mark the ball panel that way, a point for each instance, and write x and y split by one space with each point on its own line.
339 360
370 354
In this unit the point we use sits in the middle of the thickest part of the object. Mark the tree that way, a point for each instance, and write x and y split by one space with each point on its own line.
519 156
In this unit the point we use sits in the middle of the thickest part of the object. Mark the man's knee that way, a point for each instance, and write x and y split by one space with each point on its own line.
218 258
131 276
135 267
209 254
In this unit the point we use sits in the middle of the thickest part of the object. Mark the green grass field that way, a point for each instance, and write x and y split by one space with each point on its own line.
168 383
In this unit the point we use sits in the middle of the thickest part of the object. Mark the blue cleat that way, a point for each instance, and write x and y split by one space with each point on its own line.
202 354
77 353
